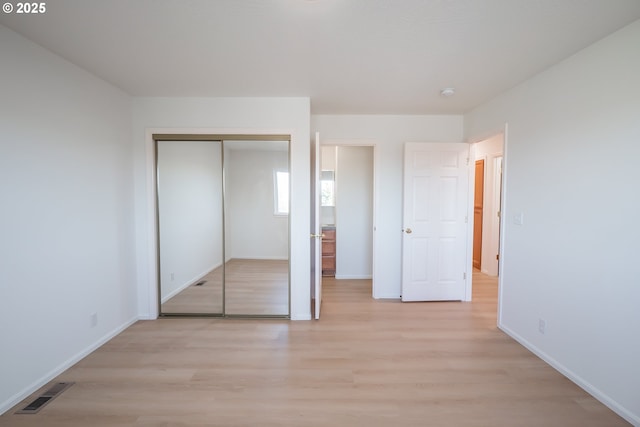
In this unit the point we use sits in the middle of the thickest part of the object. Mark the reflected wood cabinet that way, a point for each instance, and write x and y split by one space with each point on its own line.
329 251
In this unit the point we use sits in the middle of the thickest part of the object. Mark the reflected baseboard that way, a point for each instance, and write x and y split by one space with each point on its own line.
353 277
253 287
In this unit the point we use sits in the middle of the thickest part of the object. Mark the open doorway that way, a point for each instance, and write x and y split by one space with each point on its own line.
487 204
347 181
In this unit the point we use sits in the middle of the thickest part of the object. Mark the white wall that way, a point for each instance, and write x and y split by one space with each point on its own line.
253 231
190 212
354 212
572 150
388 134
66 245
489 150
328 160
223 116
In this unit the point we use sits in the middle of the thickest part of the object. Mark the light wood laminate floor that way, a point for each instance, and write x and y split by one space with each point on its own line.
365 363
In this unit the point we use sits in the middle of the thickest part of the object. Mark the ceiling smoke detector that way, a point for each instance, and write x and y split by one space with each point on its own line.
447 92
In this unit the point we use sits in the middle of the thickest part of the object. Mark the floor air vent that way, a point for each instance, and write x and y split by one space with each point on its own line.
45 398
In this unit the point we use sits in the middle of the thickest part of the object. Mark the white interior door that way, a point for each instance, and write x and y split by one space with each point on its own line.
316 228
434 246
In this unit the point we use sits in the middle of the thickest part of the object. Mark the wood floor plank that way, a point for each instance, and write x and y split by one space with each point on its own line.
365 363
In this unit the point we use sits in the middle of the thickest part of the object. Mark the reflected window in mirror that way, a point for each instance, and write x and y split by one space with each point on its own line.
281 192
327 188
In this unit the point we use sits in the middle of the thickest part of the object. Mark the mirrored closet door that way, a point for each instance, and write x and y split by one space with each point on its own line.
257 227
223 226
190 227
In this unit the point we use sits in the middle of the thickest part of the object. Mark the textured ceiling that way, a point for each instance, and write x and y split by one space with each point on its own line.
349 56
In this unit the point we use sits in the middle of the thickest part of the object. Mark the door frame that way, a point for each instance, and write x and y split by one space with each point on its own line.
373 144
152 261
504 131
316 227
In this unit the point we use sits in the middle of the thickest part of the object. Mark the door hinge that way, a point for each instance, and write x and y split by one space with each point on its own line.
467 161
466 219
464 276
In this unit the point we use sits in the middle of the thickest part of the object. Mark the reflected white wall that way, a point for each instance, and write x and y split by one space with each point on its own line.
189 212
253 230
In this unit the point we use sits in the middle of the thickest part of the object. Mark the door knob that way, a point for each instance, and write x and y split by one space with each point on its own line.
408 231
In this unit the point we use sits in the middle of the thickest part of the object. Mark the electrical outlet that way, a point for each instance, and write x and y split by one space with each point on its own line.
518 219
172 277
94 320
542 326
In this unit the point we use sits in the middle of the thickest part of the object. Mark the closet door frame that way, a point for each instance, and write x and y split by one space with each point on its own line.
157 137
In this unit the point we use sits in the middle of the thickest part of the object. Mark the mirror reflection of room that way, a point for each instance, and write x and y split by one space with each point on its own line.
257 227
223 200
189 175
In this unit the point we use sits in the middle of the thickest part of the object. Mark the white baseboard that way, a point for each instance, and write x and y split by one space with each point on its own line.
301 316
634 419
353 277
36 385
387 296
